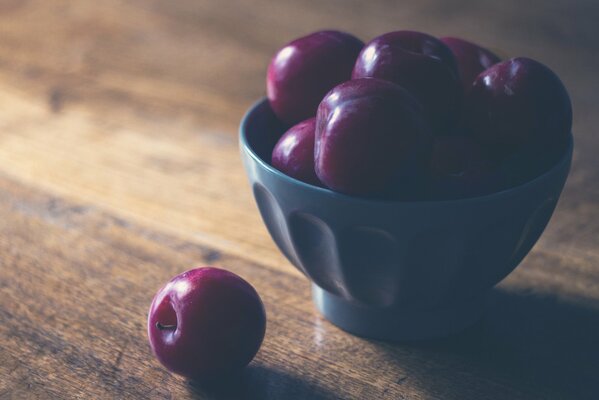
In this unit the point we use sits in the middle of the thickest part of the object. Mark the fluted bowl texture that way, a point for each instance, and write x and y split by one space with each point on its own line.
391 269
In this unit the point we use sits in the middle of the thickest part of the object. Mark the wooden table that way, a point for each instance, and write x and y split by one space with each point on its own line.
119 168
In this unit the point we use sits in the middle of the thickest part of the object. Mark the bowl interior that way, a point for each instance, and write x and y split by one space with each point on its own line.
260 130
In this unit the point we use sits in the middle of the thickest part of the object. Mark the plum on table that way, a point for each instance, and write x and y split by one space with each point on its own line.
206 323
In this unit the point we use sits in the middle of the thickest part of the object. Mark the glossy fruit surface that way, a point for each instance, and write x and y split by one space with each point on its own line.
303 71
423 65
365 131
518 104
294 152
206 323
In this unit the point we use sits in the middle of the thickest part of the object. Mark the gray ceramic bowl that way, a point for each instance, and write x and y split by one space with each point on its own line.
396 270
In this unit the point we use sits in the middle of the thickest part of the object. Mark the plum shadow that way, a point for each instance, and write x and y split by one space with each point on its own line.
258 382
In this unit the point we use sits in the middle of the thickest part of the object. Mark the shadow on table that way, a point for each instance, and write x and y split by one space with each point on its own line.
257 383
535 343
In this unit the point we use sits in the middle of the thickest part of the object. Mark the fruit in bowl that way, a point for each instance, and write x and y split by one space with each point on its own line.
459 168
304 70
366 129
515 115
471 59
423 65
519 105
431 190
294 152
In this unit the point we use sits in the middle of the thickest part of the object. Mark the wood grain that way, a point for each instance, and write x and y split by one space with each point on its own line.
119 167
76 284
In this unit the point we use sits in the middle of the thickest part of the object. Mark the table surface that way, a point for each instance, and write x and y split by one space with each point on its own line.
119 168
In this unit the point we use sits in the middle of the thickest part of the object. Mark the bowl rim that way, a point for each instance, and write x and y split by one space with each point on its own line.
243 128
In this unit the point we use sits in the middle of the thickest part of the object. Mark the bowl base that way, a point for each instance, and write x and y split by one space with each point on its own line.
397 323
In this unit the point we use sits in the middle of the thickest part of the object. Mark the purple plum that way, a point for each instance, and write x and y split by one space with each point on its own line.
471 59
519 105
424 66
366 129
294 152
460 168
206 323
303 71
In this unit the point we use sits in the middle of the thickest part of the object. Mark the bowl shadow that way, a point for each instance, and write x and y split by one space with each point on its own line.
533 345
258 382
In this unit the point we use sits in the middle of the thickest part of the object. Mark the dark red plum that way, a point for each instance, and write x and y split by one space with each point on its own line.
460 168
423 65
366 129
206 323
410 181
303 71
294 152
471 59
518 104
530 161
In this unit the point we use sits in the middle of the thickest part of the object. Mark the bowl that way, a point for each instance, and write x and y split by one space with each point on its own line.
395 270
